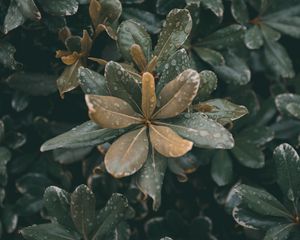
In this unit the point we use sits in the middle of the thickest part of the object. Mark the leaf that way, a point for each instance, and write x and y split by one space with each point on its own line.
216 6
239 11
5 156
129 33
248 154
49 231
285 104
68 79
57 203
92 82
175 31
35 84
204 132
60 8
281 232
84 135
178 94
288 165
259 135
176 64
221 110
111 112
210 56
148 95
127 154
18 12
149 20
122 84
283 13
223 38
254 38
270 33
278 59
222 168
167 142
150 178
235 71
261 202
7 52
289 26
209 84
116 210
83 204
164 6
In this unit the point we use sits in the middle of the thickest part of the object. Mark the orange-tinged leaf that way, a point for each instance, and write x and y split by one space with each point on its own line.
138 57
70 59
178 94
94 10
101 27
111 112
86 43
148 95
64 33
167 142
61 53
98 60
128 154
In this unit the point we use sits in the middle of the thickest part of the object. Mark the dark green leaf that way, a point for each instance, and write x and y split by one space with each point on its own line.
222 168
254 38
209 82
216 6
287 104
60 8
239 11
210 56
281 232
7 52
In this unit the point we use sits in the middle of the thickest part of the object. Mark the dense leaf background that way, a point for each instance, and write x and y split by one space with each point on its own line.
248 51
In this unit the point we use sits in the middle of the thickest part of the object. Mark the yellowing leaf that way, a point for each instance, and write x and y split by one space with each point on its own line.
86 43
138 56
128 154
94 10
167 142
148 95
70 59
178 94
111 112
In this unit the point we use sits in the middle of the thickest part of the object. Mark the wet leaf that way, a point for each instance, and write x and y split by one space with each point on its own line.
83 205
254 38
178 94
222 168
175 31
210 56
281 232
216 6
288 166
164 6
111 112
18 12
7 52
221 110
289 26
259 135
209 83
127 154
287 104
129 33
239 11
150 178
204 132
60 8
167 142
148 95
84 135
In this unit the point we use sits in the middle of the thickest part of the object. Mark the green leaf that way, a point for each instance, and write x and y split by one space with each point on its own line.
57 202
5 156
259 135
221 110
84 135
122 84
210 56
248 154
115 211
209 84
92 82
289 26
7 52
270 33
283 13
216 6
239 11
60 8
254 38
164 6
277 58
175 65
49 231
222 168
204 132
68 79
83 204
235 71
281 232
288 168
150 178
18 12
175 32
223 38
261 202
129 33
287 104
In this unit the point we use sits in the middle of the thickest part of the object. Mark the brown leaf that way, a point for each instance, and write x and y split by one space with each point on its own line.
86 43
98 60
70 59
61 53
128 154
64 33
138 57
94 10
148 95
178 94
111 112
167 142
101 27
